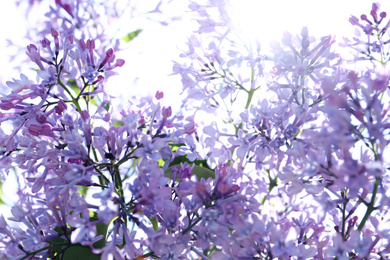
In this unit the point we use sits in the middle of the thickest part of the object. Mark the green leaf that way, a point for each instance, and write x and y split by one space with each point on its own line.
160 163
200 172
79 252
154 223
57 244
174 147
169 174
201 168
58 230
1 193
73 85
93 102
83 190
101 229
129 37
107 106
184 159
118 124
60 248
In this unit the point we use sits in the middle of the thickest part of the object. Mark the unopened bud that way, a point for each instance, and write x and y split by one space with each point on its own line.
159 95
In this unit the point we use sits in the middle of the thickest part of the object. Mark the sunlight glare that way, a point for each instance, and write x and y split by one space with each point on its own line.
260 20
266 21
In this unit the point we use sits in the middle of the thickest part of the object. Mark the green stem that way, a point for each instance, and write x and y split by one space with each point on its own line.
81 92
74 101
144 256
370 206
191 226
42 249
344 219
252 75
118 181
102 179
250 96
119 187
35 252
273 182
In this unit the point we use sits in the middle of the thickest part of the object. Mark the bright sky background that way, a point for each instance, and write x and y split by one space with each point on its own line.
155 48
150 56
269 19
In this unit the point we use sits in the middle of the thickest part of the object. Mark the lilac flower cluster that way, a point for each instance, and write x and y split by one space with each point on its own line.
292 165
371 36
102 21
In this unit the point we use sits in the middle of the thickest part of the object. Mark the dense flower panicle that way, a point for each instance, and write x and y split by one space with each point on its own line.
287 132
282 155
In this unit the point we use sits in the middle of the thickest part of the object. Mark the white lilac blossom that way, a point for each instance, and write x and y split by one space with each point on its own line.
280 155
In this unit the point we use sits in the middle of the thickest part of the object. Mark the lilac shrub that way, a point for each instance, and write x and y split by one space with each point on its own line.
279 155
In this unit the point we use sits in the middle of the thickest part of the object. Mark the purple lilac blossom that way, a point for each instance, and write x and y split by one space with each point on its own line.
300 173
